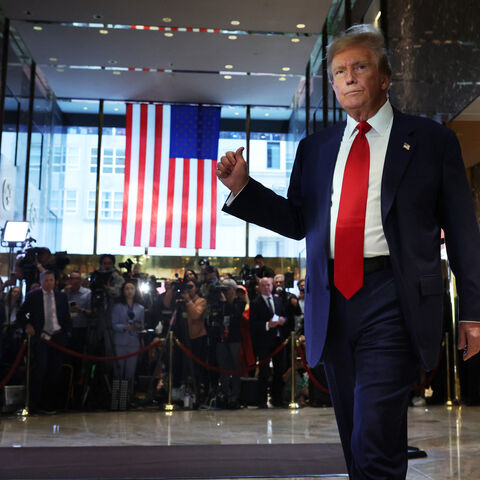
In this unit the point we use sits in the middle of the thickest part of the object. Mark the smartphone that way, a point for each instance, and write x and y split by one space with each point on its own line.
275 318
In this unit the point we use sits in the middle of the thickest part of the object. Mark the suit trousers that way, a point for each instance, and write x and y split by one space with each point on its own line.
370 367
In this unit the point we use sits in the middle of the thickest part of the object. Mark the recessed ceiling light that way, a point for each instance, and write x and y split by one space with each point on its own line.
60 70
234 22
227 77
166 19
115 109
85 108
232 37
52 59
37 27
301 25
112 62
282 79
97 16
286 69
237 114
103 32
116 72
168 34
267 114
295 40
228 67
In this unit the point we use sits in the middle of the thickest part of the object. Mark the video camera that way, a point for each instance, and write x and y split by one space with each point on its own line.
127 264
247 273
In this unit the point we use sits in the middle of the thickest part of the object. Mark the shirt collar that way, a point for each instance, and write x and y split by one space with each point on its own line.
47 293
379 122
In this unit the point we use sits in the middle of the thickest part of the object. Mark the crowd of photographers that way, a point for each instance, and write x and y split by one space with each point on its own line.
228 323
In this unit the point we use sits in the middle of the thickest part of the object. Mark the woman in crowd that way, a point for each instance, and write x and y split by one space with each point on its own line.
13 301
127 321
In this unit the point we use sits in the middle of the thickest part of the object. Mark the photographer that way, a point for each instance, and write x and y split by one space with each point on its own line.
229 345
195 309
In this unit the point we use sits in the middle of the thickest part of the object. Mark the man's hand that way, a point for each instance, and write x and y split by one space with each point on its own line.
469 338
29 330
232 171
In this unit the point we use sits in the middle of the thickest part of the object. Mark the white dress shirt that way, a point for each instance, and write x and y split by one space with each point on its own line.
50 325
378 136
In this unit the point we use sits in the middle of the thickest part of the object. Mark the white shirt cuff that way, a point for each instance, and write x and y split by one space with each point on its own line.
232 197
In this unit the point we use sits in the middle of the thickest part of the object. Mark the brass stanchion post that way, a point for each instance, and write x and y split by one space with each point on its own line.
449 402
453 301
293 405
169 406
25 412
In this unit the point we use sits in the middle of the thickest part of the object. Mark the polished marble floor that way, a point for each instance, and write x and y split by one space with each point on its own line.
449 436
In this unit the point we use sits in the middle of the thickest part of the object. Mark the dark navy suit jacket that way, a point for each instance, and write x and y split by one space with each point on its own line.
32 312
424 189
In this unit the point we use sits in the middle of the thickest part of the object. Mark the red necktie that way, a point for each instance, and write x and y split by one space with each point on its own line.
350 229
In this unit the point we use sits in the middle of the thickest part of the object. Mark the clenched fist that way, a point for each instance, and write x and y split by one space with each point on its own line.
232 171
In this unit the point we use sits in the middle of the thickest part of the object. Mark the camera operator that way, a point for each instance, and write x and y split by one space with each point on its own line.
261 270
195 309
229 345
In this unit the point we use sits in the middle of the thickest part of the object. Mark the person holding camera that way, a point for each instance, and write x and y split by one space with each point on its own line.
195 310
229 345
127 322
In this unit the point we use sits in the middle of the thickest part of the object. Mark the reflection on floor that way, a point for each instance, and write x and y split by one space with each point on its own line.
450 436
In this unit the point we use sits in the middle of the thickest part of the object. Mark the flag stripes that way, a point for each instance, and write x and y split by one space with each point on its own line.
169 201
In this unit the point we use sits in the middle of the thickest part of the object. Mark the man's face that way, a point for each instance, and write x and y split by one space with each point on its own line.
75 281
279 281
265 286
359 86
48 282
107 264
301 286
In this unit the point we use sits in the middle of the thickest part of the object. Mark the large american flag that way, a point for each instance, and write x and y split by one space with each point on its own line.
170 188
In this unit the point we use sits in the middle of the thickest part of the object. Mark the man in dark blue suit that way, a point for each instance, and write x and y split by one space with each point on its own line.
373 322
46 314
267 327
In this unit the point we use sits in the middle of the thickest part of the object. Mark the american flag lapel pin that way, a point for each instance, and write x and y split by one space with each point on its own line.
406 146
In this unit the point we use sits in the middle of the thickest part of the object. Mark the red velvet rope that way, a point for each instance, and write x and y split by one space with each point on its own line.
230 372
309 371
96 358
15 365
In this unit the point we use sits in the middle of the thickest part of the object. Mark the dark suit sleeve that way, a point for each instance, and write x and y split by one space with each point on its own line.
29 312
460 225
260 205
257 319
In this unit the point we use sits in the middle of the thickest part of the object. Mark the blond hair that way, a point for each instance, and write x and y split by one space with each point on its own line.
364 35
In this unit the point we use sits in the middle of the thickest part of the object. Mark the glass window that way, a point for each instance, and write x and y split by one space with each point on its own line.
91 204
107 160
70 201
273 154
58 161
73 157
93 159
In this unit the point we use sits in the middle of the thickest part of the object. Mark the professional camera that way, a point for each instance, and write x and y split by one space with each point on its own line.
247 273
203 261
127 264
98 280
179 287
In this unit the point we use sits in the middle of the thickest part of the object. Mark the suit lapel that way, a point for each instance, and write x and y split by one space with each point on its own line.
400 148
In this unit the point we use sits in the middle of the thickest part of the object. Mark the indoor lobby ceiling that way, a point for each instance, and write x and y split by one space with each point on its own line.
154 51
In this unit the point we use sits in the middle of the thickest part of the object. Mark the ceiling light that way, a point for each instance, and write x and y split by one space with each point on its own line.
301 25
60 70
237 114
295 40
286 69
52 59
234 22
115 109
166 19
116 72
228 67
38 28
227 77
85 108
267 114
97 17
112 62
168 34
232 37
103 32
282 79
